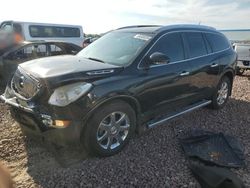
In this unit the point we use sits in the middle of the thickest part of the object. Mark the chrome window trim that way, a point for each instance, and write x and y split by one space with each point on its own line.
184 60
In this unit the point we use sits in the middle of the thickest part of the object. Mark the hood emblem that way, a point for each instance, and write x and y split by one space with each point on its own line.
100 72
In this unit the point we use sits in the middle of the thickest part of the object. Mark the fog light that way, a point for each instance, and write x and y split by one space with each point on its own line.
46 120
61 123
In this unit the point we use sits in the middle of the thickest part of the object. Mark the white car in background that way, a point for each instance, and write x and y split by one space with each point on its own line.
41 31
243 51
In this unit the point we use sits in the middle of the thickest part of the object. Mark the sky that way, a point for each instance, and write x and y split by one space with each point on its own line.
97 16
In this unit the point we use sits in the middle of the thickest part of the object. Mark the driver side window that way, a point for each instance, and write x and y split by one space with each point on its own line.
170 45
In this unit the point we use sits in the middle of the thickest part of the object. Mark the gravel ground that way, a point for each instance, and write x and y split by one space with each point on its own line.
154 159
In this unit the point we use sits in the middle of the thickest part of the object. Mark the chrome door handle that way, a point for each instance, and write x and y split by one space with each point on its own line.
214 65
184 73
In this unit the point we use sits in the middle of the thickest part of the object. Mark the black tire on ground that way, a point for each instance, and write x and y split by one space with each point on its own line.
216 104
240 72
90 134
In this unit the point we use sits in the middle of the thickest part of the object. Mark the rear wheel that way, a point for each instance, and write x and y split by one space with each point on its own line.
109 129
222 93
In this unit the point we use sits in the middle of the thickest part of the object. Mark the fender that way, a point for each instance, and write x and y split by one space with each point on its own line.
228 71
231 74
132 101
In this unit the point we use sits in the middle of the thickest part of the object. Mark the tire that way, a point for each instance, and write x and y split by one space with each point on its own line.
222 93
99 128
240 72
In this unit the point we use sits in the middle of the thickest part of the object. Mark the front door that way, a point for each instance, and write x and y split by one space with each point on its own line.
166 88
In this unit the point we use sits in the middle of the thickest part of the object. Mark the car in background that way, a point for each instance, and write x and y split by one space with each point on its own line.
129 80
11 57
28 31
88 41
243 62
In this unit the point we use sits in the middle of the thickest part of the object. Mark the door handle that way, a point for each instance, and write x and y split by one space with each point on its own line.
214 65
184 73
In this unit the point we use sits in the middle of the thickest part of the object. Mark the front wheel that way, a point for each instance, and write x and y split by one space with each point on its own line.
222 93
109 129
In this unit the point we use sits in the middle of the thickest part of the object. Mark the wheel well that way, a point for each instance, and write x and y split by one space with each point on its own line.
129 100
133 103
230 75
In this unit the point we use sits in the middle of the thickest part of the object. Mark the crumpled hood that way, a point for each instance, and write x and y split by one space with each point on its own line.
63 65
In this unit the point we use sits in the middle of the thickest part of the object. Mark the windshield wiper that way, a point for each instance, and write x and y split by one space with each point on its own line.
95 59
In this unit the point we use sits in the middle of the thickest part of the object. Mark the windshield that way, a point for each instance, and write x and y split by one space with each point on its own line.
6 27
117 48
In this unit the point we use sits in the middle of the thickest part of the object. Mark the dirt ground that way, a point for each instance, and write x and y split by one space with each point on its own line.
154 159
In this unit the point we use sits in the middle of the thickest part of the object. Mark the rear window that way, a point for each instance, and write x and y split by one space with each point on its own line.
196 44
53 31
217 42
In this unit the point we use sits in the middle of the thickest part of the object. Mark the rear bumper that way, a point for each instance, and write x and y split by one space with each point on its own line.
33 122
243 64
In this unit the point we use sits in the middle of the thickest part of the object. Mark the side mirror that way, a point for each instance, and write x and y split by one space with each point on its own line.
158 58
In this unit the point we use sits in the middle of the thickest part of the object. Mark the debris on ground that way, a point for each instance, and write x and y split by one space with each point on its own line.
213 148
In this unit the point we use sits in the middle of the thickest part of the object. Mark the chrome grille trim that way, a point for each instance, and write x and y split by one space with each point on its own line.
24 85
100 72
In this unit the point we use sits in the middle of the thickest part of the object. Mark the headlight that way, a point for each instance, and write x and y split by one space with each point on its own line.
65 95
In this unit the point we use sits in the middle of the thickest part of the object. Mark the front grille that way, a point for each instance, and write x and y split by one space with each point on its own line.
25 86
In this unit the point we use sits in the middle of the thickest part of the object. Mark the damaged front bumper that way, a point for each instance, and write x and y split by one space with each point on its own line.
33 121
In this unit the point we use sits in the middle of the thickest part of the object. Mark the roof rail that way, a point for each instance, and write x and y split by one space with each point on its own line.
188 26
136 26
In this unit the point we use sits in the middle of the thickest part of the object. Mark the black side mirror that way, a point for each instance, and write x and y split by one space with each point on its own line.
158 58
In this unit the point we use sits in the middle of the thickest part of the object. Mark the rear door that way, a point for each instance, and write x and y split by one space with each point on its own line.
166 88
205 66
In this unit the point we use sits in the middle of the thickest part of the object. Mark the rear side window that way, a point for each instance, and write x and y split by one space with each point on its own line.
40 50
217 42
56 50
171 45
53 31
196 44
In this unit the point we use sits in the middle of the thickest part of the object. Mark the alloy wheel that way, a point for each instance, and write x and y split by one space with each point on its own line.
113 130
222 93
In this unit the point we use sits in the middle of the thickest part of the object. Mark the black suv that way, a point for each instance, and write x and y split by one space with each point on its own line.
129 80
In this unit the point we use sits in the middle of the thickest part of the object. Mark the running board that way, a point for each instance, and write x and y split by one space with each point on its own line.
189 109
